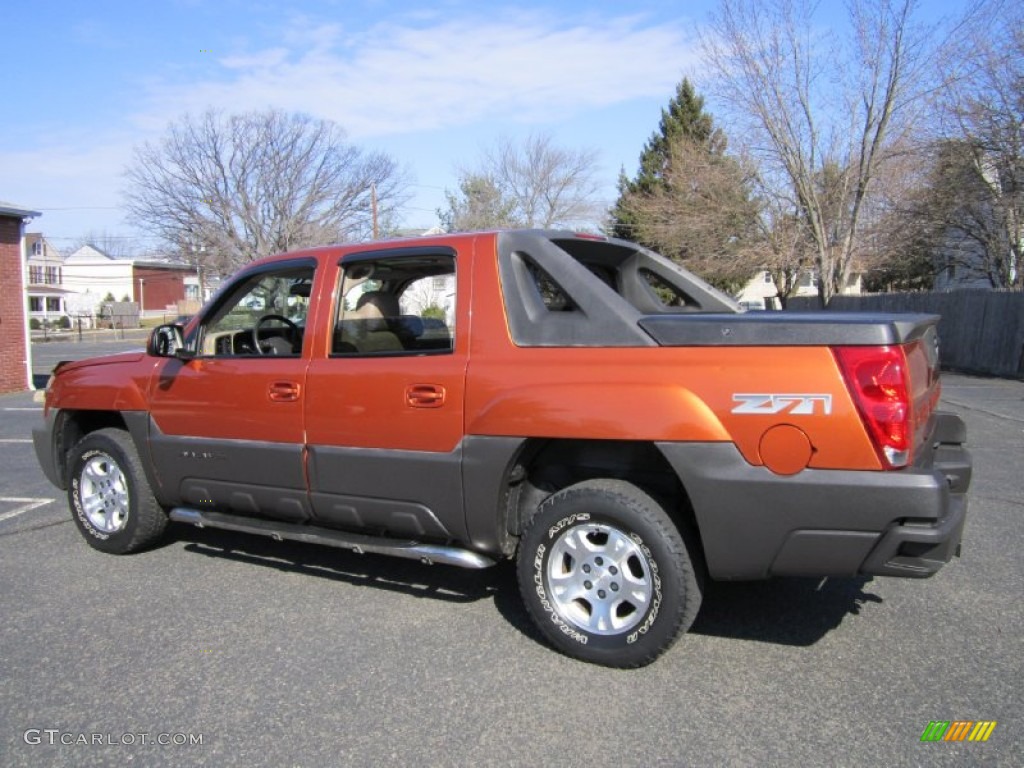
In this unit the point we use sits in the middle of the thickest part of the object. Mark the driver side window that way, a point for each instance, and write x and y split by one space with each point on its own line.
264 314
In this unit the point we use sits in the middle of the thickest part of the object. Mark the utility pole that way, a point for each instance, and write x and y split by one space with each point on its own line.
373 208
198 251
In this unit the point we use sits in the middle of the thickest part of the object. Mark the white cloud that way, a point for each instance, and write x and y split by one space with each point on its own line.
384 84
403 77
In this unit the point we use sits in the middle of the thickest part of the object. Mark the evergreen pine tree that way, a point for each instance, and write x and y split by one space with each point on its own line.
685 116
690 201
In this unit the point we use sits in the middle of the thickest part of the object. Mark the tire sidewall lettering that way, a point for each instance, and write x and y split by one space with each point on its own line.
652 613
557 528
76 496
545 603
583 638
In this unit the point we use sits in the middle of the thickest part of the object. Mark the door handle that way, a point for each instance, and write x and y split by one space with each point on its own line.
424 395
284 391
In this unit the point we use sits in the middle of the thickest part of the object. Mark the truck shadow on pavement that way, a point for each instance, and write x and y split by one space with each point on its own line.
440 582
797 612
784 611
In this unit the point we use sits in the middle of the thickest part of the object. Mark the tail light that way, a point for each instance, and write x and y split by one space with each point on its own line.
879 381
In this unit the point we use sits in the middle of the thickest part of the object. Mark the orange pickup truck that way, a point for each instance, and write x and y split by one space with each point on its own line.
578 404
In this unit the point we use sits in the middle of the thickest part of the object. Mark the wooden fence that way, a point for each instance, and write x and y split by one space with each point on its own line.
980 331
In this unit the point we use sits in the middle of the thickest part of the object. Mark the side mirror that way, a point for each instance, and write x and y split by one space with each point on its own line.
168 341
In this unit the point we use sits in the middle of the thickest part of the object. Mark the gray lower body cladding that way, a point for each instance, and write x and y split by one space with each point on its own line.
755 524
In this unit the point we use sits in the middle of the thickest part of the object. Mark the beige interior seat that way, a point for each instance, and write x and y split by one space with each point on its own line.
366 327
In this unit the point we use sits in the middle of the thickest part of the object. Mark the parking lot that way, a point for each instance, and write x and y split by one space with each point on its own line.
279 654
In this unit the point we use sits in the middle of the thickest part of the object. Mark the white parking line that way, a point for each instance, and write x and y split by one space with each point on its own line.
21 409
15 440
27 505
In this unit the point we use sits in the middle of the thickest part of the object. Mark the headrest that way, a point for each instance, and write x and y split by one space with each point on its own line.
375 304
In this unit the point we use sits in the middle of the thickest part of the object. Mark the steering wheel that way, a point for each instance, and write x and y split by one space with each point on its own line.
293 332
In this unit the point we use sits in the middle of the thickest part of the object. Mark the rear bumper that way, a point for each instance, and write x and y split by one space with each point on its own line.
754 524
920 548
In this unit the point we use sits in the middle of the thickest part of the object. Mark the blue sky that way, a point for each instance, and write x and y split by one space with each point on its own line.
431 84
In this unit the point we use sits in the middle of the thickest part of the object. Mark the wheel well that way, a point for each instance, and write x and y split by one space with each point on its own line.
72 426
546 466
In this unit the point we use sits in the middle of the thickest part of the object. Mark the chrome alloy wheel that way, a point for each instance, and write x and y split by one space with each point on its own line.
103 492
599 579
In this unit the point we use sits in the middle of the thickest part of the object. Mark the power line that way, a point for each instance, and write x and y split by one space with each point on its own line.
84 208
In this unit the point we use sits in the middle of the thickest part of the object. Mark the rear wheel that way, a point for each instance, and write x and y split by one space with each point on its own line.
605 574
110 499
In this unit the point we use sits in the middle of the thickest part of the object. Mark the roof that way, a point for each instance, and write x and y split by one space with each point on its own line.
150 264
16 211
87 254
90 255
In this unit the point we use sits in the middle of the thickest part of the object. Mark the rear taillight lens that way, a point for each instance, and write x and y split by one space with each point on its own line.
878 380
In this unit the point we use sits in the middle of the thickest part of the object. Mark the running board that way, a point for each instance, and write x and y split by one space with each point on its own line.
355 542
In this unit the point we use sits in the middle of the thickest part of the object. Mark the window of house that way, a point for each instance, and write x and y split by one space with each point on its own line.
51 276
53 304
37 248
35 275
35 304
396 305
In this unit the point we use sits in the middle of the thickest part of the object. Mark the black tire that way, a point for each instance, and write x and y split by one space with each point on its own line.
605 574
110 498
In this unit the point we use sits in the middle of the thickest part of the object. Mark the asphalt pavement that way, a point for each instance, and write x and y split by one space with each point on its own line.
245 651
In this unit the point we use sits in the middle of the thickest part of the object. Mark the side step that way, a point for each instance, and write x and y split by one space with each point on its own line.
358 543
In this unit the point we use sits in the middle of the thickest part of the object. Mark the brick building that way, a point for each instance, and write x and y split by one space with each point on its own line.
156 286
15 363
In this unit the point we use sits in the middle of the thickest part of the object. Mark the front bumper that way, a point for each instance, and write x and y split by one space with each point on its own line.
43 436
755 524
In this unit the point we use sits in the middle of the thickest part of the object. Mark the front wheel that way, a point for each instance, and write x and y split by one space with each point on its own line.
110 499
605 574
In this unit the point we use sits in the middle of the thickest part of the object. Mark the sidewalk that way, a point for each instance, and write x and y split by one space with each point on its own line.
94 336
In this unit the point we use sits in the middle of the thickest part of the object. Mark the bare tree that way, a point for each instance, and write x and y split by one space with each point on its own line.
900 235
239 187
787 251
976 200
533 183
977 189
701 214
479 204
820 114
115 246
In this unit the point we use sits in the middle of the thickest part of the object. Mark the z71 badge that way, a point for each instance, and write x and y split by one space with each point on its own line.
797 405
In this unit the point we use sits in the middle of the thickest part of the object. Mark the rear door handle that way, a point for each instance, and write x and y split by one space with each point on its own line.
424 395
284 391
